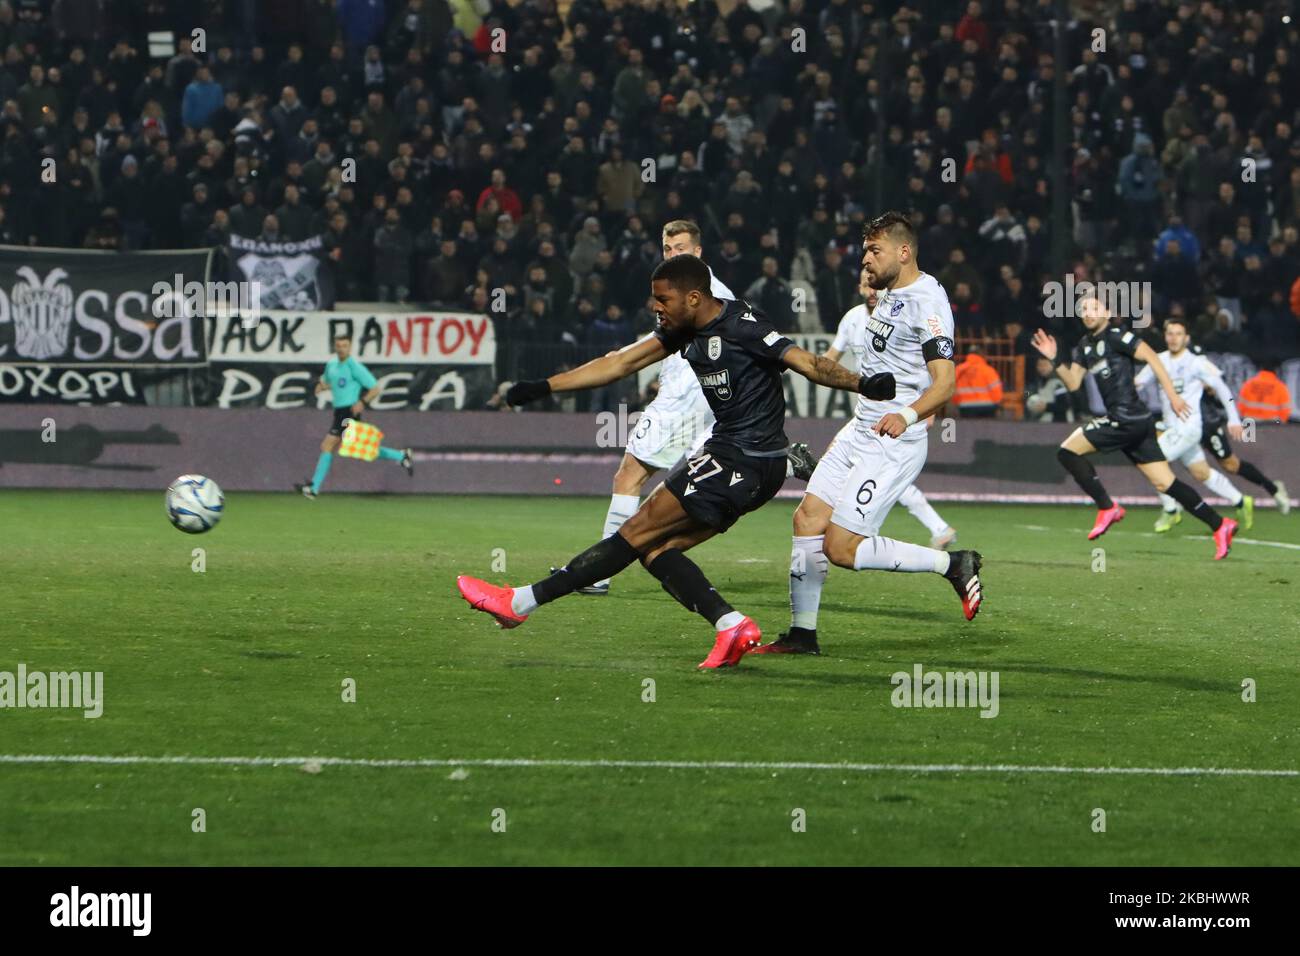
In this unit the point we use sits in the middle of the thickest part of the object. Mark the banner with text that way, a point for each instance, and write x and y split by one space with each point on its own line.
442 360
288 275
68 307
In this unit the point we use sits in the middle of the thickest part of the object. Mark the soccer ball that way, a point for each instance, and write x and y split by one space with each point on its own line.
194 504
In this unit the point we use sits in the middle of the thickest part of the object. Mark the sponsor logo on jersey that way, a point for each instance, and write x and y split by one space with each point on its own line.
772 338
880 332
715 347
720 382
936 327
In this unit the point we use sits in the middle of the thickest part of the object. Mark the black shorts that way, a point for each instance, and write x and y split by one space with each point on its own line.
1215 441
336 423
1137 440
722 483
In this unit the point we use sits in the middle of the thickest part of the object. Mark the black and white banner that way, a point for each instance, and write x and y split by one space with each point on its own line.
422 360
287 275
69 307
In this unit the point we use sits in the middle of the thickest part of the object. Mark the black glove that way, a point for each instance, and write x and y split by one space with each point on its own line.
879 387
521 393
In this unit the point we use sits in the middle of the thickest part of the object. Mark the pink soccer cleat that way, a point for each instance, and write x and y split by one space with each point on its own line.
1105 518
1223 539
491 599
732 644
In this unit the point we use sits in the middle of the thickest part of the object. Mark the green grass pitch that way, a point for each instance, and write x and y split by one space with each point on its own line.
1137 666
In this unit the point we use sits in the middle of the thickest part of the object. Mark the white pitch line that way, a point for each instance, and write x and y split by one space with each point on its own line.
526 762
1185 537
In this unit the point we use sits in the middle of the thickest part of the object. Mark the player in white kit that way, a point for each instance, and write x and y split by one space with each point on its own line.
679 420
877 456
851 338
1180 438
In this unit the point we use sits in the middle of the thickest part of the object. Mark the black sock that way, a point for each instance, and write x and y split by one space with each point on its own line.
1253 474
600 561
1082 471
683 579
1186 496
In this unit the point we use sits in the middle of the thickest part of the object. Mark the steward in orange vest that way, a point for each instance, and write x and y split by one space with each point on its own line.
979 390
1263 398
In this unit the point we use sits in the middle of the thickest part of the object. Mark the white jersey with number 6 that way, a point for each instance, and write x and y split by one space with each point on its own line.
908 328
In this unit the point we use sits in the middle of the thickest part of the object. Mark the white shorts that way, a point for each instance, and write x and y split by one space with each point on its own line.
660 438
1182 445
862 475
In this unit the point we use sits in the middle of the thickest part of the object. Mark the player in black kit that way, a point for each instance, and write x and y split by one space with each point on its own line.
1128 426
739 358
1214 439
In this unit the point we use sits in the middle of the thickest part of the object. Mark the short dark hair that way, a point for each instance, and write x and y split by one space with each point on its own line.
1177 320
893 224
344 336
685 272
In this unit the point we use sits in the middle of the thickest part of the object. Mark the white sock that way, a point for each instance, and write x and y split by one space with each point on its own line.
1168 503
885 554
621 507
1219 483
914 501
730 619
808 568
523 602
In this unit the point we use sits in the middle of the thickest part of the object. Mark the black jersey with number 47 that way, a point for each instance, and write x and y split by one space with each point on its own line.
1109 357
737 359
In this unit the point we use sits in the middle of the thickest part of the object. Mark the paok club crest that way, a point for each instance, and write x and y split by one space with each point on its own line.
42 314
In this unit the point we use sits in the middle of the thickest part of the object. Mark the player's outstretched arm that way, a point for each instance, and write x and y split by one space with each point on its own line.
608 368
826 371
1071 373
1145 353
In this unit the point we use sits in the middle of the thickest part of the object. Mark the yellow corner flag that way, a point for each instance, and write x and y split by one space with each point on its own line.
361 440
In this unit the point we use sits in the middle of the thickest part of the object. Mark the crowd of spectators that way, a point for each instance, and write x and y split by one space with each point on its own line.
520 158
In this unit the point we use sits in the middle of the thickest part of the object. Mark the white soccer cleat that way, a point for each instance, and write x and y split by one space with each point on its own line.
1283 499
945 539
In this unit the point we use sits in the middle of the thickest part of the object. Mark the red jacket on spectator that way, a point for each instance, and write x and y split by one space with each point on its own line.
507 198
974 28
1001 165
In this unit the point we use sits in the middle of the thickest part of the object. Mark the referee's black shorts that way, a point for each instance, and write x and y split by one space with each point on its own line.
340 414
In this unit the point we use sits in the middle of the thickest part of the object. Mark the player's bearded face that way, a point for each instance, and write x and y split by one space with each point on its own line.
1093 314
881 262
